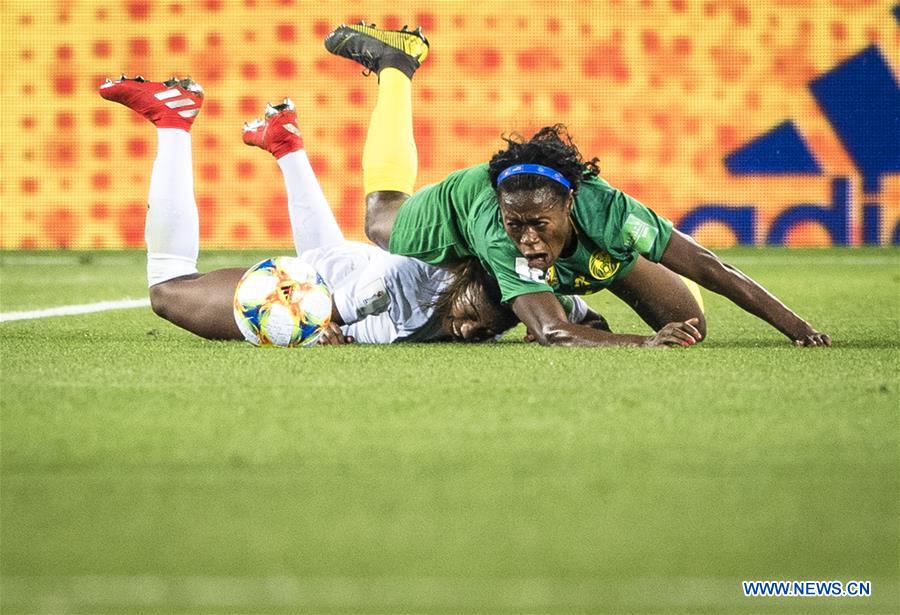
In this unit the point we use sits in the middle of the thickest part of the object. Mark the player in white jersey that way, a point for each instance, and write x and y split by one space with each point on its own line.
377 297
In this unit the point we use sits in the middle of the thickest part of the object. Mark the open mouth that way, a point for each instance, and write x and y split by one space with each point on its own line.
538 260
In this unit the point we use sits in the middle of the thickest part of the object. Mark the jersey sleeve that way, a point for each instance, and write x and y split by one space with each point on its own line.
632 227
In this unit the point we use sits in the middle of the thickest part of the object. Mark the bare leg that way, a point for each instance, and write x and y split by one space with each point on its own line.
658 295
202 303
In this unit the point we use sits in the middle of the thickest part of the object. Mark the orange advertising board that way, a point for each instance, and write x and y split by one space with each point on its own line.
744 122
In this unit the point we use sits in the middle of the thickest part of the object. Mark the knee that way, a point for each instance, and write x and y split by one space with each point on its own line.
376 233
160 298
381 211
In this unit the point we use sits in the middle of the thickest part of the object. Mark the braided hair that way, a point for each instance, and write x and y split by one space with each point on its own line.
552 147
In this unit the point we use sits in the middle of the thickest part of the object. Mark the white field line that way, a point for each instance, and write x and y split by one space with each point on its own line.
72 310
18 260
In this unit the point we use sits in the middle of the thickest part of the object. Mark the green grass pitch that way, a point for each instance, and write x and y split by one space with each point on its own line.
147 470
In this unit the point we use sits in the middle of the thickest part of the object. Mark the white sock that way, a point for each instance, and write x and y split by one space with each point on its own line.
172 230
312 221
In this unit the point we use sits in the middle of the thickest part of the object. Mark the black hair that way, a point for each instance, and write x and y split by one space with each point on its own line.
552 147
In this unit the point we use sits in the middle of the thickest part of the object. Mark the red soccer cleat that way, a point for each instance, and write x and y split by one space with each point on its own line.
278 133
171 104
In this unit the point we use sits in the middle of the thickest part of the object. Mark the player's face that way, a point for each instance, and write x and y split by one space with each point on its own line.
474 318
537 221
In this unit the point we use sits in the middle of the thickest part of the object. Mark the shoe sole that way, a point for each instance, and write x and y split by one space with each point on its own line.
411 42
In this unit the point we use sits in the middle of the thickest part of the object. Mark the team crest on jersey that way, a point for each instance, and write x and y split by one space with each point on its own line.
602 265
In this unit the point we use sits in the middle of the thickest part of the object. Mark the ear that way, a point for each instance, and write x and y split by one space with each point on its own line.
570 202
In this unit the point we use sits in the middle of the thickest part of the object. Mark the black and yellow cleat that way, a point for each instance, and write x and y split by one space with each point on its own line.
377 49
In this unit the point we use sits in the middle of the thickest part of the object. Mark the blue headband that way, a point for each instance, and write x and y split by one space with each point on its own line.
534 169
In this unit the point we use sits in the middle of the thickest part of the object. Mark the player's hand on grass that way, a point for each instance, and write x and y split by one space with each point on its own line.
802 334
333 335
676 334
812 338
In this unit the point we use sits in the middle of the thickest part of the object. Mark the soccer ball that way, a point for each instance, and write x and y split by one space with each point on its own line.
282 301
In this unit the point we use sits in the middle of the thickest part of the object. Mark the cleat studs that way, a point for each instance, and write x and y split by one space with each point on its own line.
253 125
270 111
192 86
288 104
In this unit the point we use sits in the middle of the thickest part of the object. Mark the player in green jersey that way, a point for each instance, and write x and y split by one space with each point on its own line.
540 219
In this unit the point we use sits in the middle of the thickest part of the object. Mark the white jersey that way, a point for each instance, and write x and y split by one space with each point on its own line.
381 297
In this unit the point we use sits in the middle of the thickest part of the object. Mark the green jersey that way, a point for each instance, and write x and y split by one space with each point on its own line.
459 218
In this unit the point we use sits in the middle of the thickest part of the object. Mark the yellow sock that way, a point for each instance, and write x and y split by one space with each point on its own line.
390 160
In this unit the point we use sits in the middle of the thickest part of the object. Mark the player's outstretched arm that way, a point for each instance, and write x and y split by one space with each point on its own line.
544 317
686 257
579 314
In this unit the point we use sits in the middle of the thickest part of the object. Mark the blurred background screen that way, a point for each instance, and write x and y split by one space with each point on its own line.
744 122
